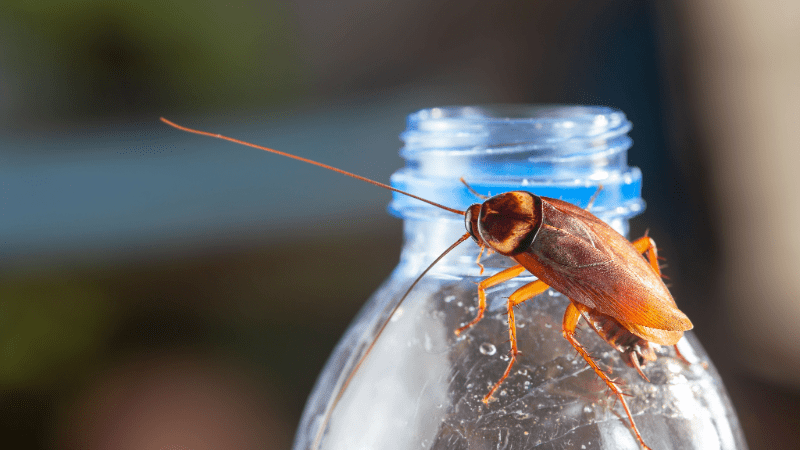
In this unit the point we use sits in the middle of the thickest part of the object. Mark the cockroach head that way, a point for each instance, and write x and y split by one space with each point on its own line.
507 223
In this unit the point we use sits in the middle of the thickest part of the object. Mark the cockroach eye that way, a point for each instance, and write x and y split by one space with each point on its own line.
471 221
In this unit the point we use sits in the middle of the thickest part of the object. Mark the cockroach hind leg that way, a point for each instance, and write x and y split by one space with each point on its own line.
683 359
571 317
489 397
646 244
634 360
703 364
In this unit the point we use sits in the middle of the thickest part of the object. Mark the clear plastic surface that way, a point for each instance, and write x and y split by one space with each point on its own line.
421 386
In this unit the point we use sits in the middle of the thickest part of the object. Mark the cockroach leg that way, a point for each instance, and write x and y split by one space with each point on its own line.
594 197
499 277
473 191
634 360
522 294
680 355
647 244
571 317
478 259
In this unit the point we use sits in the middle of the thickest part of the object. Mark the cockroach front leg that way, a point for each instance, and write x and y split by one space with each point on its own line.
499 277
522 294
571 317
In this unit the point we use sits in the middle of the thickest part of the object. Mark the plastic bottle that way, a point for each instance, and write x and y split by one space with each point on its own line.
421 386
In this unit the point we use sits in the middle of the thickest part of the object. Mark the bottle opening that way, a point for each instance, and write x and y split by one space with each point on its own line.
564 152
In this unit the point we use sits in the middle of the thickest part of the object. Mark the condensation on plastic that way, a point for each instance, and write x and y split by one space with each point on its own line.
421 386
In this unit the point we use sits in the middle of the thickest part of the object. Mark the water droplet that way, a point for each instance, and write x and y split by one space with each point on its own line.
469 386
587 409
503 393
548 325
488 349
460 304
449 298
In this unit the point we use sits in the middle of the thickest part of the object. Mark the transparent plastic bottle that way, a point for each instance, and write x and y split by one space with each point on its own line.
421 386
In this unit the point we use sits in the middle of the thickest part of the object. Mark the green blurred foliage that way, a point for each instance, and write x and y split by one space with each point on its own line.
66 60
50 329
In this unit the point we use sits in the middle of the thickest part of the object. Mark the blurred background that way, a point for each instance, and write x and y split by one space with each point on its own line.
162 290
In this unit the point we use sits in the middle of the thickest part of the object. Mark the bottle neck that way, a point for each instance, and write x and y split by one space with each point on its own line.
426 239
564 152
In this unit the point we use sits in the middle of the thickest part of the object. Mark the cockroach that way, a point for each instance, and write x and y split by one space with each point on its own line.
606 278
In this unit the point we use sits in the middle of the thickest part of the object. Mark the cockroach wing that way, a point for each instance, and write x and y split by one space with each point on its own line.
654 335
582 257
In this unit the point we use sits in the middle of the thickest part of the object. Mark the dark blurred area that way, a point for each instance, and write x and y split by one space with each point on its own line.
162 290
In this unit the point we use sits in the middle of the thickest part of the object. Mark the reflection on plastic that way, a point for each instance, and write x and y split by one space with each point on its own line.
421 386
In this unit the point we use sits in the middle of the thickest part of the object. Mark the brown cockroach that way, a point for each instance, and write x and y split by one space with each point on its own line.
606 278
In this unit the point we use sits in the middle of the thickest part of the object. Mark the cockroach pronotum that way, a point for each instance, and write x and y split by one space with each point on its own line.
606 278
